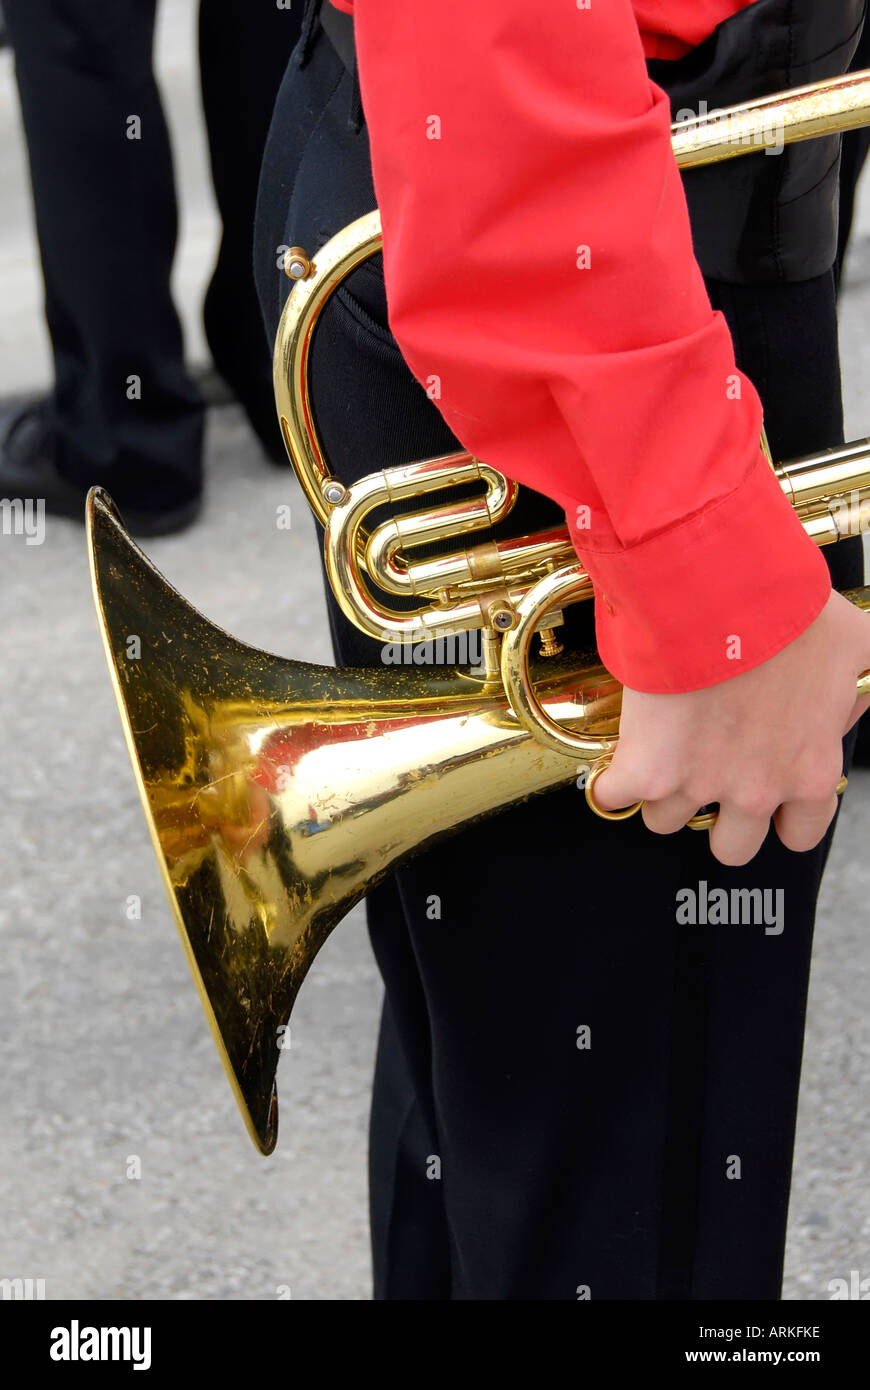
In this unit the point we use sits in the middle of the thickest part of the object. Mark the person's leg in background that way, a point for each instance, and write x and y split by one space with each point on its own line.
243 52
564 1069
124 412
856 144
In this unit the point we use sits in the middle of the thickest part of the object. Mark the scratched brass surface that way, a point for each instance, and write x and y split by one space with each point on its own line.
277 793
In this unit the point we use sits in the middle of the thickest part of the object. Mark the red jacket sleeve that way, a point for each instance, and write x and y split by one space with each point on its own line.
540 277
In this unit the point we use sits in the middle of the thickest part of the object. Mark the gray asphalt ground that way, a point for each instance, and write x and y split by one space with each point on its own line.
106 1054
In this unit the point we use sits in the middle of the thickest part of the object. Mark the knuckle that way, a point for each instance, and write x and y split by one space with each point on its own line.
755 803
817 781
818 792
656 785
701 795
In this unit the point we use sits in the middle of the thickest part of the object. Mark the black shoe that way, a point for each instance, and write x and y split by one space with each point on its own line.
28 468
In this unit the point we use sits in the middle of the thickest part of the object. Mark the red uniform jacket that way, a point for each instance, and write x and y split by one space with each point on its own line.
541 285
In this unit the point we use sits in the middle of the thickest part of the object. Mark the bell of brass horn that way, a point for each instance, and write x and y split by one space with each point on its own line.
278 793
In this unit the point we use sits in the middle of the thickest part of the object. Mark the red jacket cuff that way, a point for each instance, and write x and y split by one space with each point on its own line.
711 597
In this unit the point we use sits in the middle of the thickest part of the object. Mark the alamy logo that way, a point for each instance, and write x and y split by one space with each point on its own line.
75 1343
742 907
441 646
23 516
854 1288
764 128
24 1289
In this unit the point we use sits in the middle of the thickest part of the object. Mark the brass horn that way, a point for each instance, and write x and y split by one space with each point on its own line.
278 793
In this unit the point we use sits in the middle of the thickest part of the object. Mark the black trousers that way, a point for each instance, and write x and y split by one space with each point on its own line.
856 144
575 1095
106 219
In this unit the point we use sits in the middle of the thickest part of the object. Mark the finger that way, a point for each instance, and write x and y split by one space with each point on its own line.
802 824
670 814
737 836
616 788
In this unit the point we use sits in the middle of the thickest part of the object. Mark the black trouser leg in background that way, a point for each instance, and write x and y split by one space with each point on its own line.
106 221
243 49
856 144
514 1155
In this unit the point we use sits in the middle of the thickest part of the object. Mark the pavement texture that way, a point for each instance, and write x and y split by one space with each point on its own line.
107 1059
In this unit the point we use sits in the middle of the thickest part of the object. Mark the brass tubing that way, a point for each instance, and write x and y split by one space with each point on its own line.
342 253
824 108
838 472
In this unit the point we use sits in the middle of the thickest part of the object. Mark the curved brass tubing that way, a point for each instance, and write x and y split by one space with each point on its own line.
313 285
